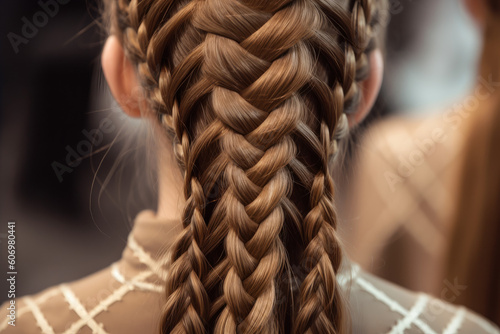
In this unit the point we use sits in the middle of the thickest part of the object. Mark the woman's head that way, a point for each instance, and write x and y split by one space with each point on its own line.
254 96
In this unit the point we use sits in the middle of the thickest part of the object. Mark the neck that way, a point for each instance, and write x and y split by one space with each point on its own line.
170 183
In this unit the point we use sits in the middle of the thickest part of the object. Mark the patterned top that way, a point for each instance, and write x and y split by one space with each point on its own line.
126 297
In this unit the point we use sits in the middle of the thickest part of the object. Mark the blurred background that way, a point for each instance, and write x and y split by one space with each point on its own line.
67 168
68 158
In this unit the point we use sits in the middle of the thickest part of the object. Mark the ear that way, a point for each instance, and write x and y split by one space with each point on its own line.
370 88
121 78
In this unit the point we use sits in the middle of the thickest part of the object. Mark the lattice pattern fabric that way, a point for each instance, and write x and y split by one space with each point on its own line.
126 297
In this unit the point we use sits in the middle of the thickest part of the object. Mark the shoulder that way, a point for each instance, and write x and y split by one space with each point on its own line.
107 301
378 306
26 314
398 135
57 309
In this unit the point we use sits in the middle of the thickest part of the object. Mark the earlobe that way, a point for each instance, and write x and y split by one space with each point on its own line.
121 78
370 88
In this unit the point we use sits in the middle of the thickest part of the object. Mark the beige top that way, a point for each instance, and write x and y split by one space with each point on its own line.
126 297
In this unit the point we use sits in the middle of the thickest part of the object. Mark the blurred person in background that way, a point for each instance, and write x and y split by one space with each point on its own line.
474 252
247 102
432 184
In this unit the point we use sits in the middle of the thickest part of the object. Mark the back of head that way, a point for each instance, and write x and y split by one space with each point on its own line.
254 95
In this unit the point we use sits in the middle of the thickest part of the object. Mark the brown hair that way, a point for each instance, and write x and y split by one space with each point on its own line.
473 259
253 93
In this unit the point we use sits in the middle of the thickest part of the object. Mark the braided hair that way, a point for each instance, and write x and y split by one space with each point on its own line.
254 95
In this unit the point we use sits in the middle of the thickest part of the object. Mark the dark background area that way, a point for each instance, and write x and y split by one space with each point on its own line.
68 222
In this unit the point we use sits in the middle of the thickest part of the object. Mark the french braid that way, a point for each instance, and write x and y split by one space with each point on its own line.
253 94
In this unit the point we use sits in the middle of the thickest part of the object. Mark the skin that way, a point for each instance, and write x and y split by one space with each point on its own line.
123 83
